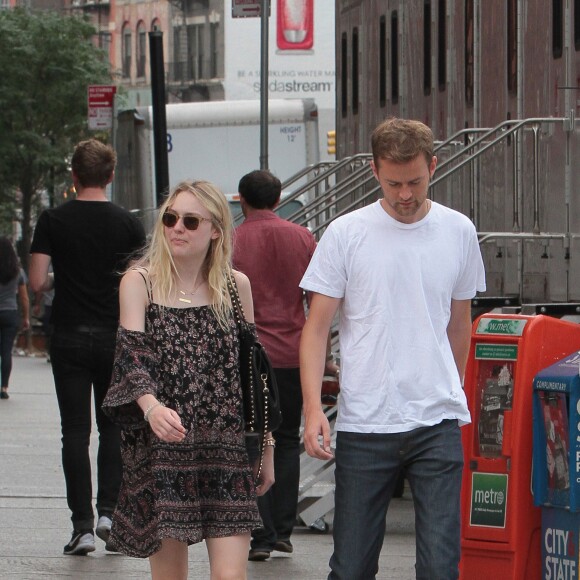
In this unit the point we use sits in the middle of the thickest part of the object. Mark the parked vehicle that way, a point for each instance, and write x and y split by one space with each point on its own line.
218 141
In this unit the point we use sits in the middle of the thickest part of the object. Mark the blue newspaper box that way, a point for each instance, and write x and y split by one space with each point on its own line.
556 465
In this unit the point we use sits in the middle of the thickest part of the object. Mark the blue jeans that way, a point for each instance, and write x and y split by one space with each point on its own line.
367 469
81 362
8 332
278 506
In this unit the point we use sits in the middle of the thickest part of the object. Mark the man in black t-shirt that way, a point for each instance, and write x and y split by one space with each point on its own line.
89 241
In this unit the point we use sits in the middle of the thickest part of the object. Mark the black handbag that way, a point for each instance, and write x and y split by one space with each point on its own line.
261 401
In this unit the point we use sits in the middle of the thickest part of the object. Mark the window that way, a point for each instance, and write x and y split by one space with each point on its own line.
343 75
126 52
382 61
105 42
557 29
195 51
199 5
512 46
394 57
141 49
213 49
427 48
577 24
469 48
355 71
179 72
442 47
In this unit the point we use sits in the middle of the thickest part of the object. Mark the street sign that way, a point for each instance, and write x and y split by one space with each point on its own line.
100 101
247 8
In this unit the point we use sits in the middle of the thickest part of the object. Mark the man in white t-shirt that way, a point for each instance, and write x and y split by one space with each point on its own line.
401 272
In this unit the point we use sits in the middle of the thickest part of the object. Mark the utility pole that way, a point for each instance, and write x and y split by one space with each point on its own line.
159 115
264 16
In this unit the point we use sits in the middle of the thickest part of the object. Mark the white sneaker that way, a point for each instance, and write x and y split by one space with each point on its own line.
104 528
80 544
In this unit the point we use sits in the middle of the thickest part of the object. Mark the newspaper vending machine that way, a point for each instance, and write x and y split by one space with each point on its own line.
501 526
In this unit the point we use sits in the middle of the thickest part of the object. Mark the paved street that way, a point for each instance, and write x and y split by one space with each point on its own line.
34 519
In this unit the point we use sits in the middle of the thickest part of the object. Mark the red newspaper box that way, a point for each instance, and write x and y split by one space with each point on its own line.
501 527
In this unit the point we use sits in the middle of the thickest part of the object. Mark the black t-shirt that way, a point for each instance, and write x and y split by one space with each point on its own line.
90 243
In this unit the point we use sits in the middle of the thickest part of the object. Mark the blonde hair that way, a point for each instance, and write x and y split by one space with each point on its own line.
158 260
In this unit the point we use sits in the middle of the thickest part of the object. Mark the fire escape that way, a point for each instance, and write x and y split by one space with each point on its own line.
98 12
193 73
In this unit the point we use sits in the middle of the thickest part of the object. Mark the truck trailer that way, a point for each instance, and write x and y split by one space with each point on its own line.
218 141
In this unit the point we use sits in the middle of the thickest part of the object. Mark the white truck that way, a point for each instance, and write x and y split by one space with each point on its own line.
218 141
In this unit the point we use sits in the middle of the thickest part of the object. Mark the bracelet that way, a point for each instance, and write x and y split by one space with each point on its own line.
150 408
270 442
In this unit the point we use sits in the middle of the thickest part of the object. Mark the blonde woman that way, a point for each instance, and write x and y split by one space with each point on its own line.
176 393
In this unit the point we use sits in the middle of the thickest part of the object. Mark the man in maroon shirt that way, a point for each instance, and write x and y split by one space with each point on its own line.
274 254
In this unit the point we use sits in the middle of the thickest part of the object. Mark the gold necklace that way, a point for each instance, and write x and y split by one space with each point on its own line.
184 294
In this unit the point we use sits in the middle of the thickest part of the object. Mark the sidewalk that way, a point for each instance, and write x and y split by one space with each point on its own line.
34 518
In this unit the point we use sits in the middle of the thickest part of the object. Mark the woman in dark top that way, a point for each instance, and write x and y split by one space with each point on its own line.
12 284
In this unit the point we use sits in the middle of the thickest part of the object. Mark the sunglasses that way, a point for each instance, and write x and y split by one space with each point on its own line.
190 222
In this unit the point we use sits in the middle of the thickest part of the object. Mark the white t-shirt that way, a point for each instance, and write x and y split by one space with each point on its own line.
397 281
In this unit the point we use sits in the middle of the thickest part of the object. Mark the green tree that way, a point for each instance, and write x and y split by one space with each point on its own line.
47 62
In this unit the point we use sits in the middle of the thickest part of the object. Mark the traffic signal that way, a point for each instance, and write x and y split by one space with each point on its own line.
331 142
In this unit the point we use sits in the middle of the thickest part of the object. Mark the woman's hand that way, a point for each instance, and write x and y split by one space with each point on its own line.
266 479
166 424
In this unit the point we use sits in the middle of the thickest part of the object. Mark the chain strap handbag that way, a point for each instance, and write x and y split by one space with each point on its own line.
261 402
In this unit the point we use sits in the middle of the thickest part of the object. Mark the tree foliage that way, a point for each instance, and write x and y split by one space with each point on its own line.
47 62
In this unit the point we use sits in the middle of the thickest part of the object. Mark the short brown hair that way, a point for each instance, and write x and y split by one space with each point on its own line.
402 140
93 163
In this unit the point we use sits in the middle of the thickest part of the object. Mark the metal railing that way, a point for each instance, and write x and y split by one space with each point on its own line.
331 189
474 151
329 184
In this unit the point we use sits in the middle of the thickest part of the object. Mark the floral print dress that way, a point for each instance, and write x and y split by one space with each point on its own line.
201 487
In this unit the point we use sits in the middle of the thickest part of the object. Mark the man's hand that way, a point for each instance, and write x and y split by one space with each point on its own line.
317 435
331 369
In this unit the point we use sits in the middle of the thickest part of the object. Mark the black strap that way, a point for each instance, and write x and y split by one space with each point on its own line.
239 315
148 285
236 302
